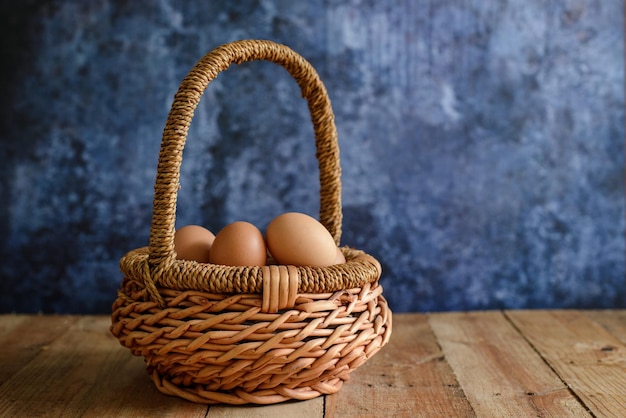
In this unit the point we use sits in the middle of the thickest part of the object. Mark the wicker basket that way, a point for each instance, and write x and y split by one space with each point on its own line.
236 335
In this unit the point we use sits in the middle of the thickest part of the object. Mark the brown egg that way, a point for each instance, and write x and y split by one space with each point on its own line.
300 240
193 242
339 258
239 244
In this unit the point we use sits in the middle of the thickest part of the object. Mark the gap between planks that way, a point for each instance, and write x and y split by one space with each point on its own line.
407 378
583 352
499 372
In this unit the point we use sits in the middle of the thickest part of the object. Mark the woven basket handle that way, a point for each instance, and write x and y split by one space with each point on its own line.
185 102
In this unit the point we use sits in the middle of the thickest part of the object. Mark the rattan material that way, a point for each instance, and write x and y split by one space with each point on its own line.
223 334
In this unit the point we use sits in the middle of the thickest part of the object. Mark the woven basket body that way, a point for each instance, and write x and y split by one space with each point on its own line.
235 335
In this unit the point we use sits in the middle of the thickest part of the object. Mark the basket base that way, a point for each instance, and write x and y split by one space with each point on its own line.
199 394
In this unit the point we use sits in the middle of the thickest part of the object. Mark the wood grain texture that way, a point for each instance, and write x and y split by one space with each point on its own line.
501 375
583 353
81 371
408 377
613 321
306 409
463 364
22 338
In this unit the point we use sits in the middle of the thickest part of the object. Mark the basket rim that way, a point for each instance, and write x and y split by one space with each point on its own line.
359 269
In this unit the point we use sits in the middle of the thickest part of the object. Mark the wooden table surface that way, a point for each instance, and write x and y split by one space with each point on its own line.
465 364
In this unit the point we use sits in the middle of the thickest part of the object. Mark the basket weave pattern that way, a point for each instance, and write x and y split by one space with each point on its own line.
235 335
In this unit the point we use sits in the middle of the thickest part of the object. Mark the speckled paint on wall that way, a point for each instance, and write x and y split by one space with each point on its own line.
482 143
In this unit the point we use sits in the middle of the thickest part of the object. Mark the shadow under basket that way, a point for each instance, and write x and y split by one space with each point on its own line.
264 334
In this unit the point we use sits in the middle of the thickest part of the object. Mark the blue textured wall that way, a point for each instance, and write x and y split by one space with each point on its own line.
482 143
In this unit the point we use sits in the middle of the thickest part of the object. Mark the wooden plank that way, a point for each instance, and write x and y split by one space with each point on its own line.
23 337
407 378
8 322
313 408
500 373
72 366
85 372
585 355
613 321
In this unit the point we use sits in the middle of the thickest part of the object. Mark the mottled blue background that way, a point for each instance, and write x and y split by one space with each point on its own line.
482 142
